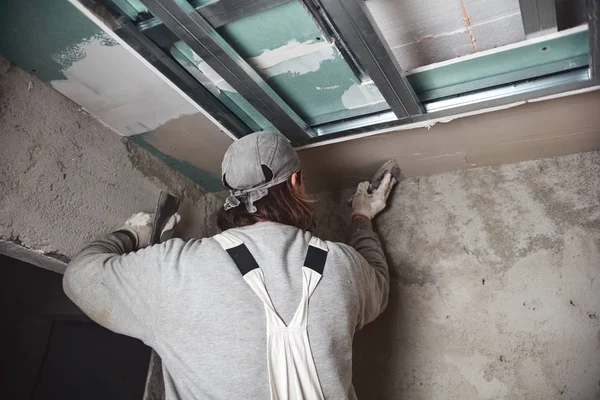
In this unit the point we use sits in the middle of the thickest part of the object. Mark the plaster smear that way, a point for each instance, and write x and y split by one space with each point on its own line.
358 96
293 57
117 88
472 368
187 139
327 87
212 75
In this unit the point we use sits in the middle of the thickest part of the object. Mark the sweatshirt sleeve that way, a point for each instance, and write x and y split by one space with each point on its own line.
117 288
372 271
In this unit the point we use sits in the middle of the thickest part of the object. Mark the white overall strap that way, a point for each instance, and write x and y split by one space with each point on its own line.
314 263
292 371
251 273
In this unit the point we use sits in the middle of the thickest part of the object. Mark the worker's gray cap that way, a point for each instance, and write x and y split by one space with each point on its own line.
255 163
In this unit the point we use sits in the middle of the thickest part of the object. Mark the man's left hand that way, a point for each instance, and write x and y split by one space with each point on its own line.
140 226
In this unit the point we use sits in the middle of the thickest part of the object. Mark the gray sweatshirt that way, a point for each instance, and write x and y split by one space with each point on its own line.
188 301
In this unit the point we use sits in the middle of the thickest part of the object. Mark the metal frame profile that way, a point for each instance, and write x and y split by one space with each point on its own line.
356 27
222 12
195 31
539 17
471 102
126 30
593 16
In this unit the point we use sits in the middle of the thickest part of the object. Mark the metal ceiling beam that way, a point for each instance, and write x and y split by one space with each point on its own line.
195 31
356 27
539 17
223 12
217 14
485 99
593 14
332 35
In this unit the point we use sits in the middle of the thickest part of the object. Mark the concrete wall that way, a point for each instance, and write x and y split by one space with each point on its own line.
495 288
495 271
65 178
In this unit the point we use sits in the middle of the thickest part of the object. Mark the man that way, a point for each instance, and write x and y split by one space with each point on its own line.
263 310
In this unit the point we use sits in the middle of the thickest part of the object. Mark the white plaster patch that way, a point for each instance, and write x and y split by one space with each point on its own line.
116 88
472 368
358 96
212 75
327 87
293 57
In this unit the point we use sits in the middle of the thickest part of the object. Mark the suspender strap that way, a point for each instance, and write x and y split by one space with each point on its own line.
292 371
316 256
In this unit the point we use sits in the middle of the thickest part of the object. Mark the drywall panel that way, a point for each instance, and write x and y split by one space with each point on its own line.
533 130
57 42
285 46
63 47
118 89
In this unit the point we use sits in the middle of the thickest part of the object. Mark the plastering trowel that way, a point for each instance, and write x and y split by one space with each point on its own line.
167 206
392 167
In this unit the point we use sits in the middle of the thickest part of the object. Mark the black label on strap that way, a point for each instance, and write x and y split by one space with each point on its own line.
315 259
242 258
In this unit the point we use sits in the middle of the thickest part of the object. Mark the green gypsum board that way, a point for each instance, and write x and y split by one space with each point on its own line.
542 56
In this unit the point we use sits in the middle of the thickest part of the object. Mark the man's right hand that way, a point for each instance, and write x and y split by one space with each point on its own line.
370 204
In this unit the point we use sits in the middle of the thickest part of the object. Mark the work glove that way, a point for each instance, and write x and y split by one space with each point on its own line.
369 203
140 227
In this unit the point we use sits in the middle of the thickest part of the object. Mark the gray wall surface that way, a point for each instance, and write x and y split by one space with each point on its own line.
495 290
65 178
495 271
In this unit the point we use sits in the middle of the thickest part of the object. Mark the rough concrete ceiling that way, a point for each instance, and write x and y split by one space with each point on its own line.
422 32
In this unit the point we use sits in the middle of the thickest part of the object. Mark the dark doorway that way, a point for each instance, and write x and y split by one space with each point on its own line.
51 350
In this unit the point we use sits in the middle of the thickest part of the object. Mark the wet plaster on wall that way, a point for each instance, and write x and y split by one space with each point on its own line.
65 178
529 131
190 148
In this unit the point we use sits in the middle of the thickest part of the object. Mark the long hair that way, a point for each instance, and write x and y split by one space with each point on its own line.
283 204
